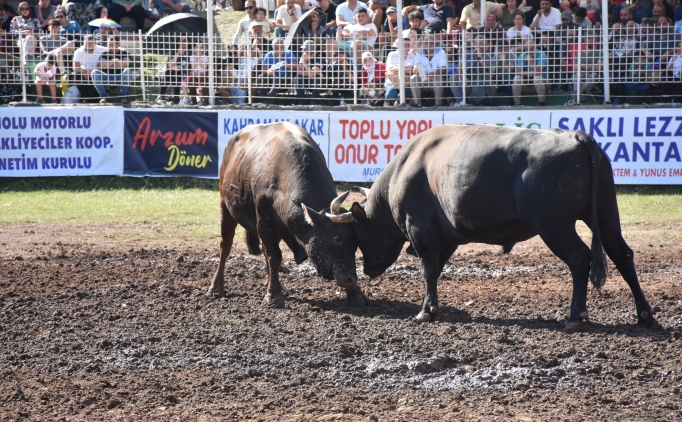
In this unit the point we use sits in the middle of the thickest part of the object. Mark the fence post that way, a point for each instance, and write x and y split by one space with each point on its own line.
401 55
577 83
144 91
354 49
605 52
23 66
463 61
248 65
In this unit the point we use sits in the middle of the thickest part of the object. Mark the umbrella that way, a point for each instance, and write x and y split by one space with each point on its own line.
293 29
163 37
104 23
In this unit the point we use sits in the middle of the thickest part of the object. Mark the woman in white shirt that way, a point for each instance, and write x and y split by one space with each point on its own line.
519 31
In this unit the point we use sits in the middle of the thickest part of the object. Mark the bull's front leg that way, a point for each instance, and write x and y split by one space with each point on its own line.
356 296
273 257
430 272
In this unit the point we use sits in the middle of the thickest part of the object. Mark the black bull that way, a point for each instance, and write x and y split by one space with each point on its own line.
454 185
274 182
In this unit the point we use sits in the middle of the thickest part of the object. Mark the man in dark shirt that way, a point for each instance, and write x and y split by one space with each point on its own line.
112 69
329 9
438 16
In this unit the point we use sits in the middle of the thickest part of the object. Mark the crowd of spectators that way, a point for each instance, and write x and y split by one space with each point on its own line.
316 52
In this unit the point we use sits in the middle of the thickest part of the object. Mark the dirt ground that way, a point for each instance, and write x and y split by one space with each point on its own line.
92 328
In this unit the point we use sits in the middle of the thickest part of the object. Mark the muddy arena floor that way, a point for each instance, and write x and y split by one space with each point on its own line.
92 328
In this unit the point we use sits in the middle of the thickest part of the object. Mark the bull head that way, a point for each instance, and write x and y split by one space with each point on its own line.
335 216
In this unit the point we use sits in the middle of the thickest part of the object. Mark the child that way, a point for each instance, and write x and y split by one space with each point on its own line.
45 75
197 74
261 15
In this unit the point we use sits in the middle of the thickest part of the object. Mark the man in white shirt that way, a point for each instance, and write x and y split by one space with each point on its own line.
471 13
346 11
547 17
85 59
431 71
364 31
287 14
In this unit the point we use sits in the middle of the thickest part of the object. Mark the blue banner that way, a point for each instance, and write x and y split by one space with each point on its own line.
171 143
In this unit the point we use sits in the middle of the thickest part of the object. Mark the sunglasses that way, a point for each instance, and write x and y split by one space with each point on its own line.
249 7
59 17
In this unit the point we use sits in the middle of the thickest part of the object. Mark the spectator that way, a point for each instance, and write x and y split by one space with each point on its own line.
491 31
340 75
245 22
392 84
641 9
430 71
309 77
118 9
239 77
482 68
390 27
509 12
547 18
639 74
25 29
311 27
175 71
531 69
261 19
625 17
329 9
67 27
364 32
438 16
667 9
5 22
520 31
378 9
58 46
471 14
568 5
346 11
674 70
81 11
591 64
415 18
623 47
9 12
661 46
278 65
259 44
45 73
286 15
44 12
85 60
196 75
373 77
174 6
112 69
581 19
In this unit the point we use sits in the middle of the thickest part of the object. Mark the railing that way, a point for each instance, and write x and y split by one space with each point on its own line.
474 68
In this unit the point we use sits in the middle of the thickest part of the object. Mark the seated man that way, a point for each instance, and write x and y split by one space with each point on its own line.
482 69
119 9
85 60
286 15
547 18
309 74
67 27
311 28
531 69
175 6
112 69
44 12
278 65
431 71
591 64
364 32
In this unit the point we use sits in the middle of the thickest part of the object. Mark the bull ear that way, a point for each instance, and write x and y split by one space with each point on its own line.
358 212
313 217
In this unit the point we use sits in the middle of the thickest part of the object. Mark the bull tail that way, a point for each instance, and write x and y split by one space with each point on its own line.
252 243
598 258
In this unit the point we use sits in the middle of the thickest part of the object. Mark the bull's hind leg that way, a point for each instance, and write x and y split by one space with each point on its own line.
273 257
565 243
227 227
621 255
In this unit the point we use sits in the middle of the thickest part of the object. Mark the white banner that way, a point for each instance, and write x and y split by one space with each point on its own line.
527 119
316 123
644 145
61 141
363 143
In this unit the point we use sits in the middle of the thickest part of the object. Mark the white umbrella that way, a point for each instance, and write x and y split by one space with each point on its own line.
294 28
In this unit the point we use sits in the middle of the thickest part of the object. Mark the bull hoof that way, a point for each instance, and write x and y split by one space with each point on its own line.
283 269
216 292
584 315
274 301
573 327
646 319
357 298
424 316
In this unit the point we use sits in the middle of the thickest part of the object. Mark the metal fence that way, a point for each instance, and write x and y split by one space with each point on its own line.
486 67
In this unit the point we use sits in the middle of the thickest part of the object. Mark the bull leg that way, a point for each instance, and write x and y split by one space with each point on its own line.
356 296
273 258
430 266
227 227
621 255
565 243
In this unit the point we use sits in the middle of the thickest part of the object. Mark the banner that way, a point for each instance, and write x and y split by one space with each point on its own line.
527 119
170 143
644 145
61 141
363 143
316 123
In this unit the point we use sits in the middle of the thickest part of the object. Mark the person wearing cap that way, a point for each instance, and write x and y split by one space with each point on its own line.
566 46
389 32
547 18
278 65
379 8
373 76
309 75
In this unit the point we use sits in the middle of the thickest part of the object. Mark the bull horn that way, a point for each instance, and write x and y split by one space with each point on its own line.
363 191
346 217
335 207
